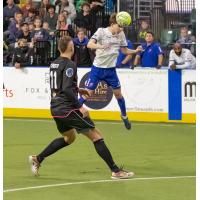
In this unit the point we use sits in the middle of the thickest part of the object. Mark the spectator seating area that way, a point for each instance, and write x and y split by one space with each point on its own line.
49 20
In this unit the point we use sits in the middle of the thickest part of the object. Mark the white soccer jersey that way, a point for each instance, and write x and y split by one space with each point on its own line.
107 58
185 61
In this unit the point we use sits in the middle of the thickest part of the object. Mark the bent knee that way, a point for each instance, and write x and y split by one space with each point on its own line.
118 95
70 139
94 135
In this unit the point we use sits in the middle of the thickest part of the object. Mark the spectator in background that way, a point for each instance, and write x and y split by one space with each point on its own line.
44 8
14 27
144 27
66 14
152 54
39 34
46 27
31 27
40 37
96 4
24 33
181 58
62 26
84 18
125 60
79 3
23 55
31 15
9 12
51 18
69 7
186 40
27 6
83 56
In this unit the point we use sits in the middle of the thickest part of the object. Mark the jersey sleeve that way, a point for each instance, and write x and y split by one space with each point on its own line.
159 51
97 35
187 63
69 76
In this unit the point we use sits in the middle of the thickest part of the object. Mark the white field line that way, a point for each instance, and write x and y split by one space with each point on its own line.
97 181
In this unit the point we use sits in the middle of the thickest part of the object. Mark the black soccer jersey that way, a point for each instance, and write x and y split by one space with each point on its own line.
63 84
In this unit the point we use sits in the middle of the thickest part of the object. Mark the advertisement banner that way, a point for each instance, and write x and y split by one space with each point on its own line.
26 88
145 90
189 91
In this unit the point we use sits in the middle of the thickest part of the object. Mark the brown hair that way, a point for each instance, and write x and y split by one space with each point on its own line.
112 19
85 4
81 30
21 40
63 43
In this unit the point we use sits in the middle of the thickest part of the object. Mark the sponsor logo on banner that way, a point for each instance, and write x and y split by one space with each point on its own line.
7 92
189 91
41 92
102 95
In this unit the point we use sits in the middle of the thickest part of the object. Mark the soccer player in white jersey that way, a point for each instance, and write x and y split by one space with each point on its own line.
181 58
107 42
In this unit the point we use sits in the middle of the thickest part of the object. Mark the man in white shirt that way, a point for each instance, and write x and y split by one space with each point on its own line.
107 42
181 58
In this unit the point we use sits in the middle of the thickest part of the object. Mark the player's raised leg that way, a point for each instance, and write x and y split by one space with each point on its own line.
57 144
91 83
122 105
95 136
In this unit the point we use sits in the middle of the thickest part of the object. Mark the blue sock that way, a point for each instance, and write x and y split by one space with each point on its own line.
81 100
122 106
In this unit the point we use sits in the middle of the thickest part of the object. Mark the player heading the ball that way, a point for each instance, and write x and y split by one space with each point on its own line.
107 42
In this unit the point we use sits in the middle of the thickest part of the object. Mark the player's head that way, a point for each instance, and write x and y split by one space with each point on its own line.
115 28
66 45
177 49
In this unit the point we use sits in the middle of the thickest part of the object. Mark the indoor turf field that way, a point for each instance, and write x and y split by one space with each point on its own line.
161 155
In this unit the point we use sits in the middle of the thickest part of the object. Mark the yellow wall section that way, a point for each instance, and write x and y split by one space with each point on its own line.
100 115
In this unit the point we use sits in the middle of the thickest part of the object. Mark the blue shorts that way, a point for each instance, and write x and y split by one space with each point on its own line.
109 75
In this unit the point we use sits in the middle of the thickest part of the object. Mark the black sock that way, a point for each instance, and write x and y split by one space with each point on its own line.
105 154
54 146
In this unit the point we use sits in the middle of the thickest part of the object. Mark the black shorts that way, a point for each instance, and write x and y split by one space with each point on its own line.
74 120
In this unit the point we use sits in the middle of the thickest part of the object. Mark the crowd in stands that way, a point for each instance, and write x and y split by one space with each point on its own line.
31 32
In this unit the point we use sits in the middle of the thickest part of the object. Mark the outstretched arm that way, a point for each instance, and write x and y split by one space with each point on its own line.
125 50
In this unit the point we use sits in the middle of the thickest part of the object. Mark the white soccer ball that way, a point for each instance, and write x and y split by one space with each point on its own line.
123 18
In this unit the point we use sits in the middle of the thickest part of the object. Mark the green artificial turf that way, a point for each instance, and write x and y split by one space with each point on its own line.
151 150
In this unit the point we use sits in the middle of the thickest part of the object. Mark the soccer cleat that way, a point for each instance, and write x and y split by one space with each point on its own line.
35 165
122 175
127 123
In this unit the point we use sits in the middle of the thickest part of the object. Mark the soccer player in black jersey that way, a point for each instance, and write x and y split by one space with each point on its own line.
70 116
